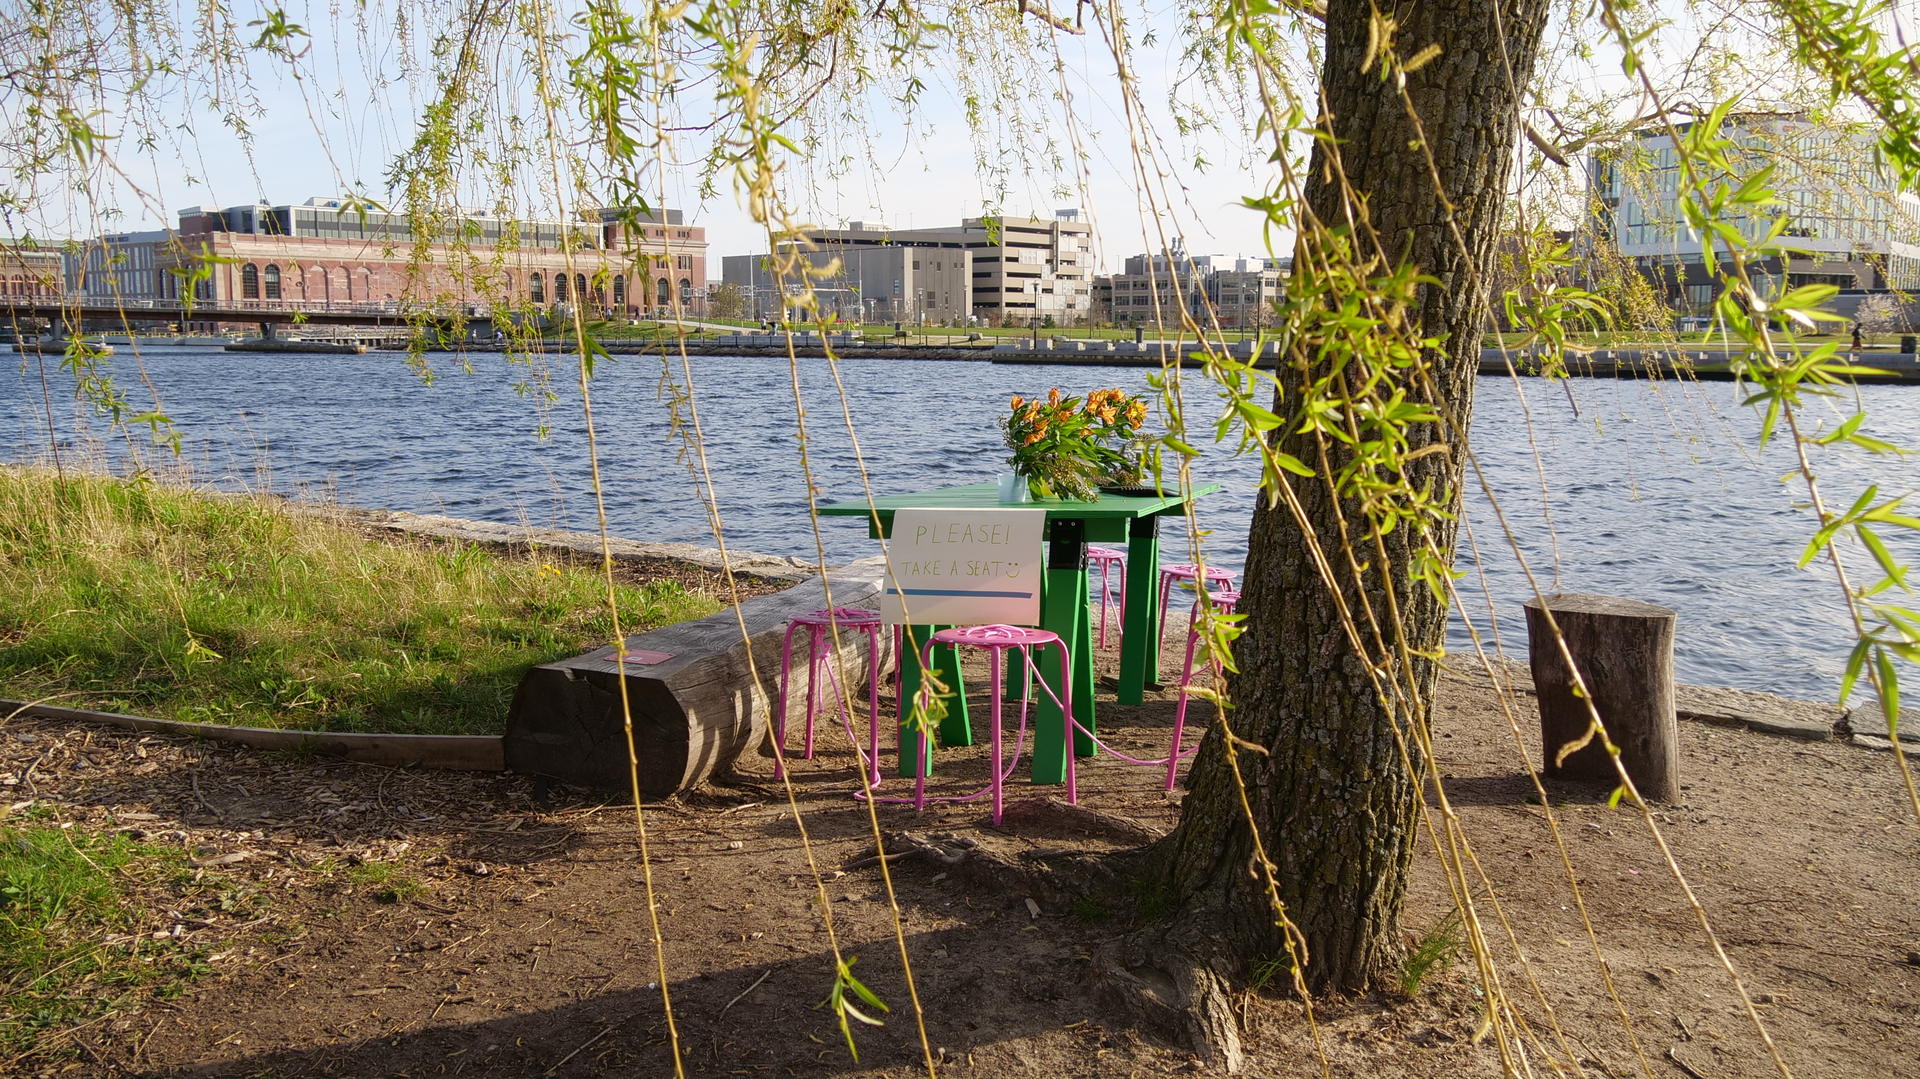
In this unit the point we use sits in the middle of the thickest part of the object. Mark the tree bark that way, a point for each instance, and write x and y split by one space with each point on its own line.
1332 796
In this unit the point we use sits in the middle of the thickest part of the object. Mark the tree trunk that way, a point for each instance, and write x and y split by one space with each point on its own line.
1332 797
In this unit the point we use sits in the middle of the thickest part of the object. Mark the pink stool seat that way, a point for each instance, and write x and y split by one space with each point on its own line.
1186 571
820 626
1107 559
997 640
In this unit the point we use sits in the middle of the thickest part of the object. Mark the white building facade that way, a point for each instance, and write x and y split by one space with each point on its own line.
1848 225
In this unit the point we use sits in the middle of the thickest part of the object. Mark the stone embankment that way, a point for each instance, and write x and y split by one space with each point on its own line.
1634 362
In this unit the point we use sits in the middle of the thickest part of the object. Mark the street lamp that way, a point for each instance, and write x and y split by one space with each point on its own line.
1034 316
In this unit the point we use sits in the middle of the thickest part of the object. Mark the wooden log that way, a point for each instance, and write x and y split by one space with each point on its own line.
1624 649
696 703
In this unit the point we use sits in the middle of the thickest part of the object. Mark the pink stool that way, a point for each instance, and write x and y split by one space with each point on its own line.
819 626
997 640
1107 559
1186 571
1224 602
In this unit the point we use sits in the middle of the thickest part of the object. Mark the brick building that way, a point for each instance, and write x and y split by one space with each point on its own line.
327 254
30 272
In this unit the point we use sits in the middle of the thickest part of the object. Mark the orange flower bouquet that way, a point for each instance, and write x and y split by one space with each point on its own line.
1066 447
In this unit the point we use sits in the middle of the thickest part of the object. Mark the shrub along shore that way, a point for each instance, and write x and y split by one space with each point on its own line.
133 596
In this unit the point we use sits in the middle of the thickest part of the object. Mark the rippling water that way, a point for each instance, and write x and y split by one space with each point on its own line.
1654 490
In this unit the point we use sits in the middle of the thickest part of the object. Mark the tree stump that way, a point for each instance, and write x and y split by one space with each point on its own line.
1624 649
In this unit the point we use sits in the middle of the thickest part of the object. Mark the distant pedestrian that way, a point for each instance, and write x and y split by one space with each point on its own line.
1856 337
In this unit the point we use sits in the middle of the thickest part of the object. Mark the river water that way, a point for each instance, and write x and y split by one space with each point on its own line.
1653 490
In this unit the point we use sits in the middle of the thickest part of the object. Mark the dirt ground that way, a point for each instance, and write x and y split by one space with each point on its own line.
507 930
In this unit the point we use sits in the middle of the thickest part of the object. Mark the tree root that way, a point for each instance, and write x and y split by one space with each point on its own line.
1172 994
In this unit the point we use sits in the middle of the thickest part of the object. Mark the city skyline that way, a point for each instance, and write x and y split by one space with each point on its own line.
307 140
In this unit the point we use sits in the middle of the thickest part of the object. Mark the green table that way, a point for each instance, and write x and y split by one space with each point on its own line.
1063 605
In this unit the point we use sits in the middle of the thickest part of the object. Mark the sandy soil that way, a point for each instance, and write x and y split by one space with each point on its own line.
526 948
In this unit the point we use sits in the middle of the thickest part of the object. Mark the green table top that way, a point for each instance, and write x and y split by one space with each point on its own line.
986 496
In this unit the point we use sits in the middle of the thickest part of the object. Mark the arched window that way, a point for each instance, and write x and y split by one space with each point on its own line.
249 282
619 290
580 288
537 288
273 281
686 293
661 293
559 288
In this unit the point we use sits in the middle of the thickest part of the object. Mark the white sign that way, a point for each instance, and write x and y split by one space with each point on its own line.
957 567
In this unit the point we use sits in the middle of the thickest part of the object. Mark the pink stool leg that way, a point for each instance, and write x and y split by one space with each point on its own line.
920 740
1166 592
815 662
993 679
835 692
780 703
873 706
1180 710
1066 717
1106 567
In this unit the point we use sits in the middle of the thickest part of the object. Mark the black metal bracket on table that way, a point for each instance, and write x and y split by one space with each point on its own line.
1067 548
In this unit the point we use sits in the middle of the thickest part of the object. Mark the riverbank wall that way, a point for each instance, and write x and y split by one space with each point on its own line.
1706 364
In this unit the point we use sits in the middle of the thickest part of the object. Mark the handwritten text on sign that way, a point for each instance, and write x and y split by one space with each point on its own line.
954 567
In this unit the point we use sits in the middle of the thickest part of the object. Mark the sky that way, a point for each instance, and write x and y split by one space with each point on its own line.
344 89
334 120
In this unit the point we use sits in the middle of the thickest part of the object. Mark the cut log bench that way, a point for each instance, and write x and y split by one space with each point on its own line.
1624 649
696 703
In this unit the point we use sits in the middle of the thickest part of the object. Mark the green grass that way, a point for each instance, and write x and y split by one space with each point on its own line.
622 330
75 944
135 597
385 882
1433 951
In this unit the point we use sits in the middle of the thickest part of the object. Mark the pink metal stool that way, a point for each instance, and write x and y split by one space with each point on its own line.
1224 603
1186 571
997 640
1107 559
819 626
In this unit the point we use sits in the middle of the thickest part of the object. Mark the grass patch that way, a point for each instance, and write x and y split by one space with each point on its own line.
135 597
386 882
1433 951
74 945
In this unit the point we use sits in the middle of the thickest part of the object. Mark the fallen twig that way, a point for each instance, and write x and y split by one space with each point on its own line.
193 780
1683 1065
604 1031
756 984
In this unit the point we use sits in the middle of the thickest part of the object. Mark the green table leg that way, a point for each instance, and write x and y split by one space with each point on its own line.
956 729
1140 622
1063 610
